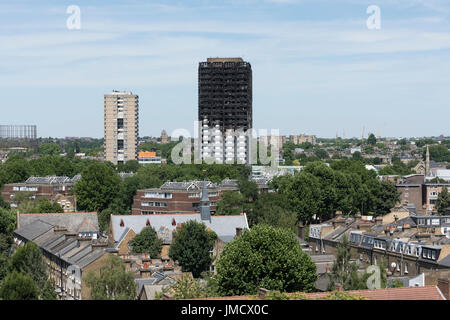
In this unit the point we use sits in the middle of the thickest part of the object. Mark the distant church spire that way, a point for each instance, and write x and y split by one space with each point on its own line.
427 163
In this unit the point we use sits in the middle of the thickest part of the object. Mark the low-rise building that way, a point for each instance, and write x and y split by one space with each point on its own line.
53 188
69 255
178 197
145 158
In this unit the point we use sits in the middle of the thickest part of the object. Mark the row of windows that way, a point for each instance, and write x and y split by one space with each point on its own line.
428 254
159 195
154 204
25 188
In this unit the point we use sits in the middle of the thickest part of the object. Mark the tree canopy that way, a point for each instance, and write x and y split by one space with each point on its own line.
191 247
113 282
318 191
18 286
97 188
147 241
264 257
443 201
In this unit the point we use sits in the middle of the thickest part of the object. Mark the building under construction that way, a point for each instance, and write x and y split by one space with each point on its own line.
18 131
225 93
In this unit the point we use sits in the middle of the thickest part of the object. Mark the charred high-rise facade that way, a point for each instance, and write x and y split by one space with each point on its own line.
225 93
225 109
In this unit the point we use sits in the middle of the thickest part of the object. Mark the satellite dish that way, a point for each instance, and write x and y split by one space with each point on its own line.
393 265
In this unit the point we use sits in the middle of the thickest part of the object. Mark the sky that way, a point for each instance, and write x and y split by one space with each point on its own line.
317 67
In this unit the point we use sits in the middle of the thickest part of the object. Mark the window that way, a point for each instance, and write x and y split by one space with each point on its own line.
433 255
406 267
194 195
398 266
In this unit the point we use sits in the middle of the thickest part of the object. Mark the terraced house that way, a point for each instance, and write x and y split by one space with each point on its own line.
71 247
407 243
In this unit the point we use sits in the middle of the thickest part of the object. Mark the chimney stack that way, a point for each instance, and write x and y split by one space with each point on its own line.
378 220
238 232
262 293
338 287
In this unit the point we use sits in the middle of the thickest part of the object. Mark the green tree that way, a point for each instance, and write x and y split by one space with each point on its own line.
191 247
42 205
232 203
4 204
14 170
190 288
345 272
49 149
372 140
439 153
97 188
265 257
443 201
272 209
48 292
321 153
249 189
17 286
147 241
357 156
28 261
7 226
113 282
104 218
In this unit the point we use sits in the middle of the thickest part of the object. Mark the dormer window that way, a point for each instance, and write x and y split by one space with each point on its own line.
433 255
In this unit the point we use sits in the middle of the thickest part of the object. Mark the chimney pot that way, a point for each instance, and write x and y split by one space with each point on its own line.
262 293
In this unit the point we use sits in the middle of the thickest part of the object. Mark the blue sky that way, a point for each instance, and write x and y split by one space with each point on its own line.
317 68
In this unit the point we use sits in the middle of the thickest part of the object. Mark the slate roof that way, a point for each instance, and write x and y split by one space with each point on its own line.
89 258
49 180
224 226
33 230
151 290
445 262
73 221
187 185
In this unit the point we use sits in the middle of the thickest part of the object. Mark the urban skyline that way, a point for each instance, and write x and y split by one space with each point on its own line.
317 68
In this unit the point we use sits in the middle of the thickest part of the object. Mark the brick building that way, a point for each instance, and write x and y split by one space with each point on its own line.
53 188
179 197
